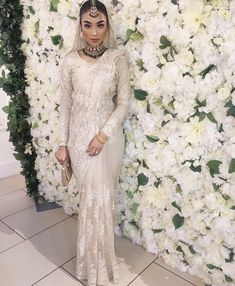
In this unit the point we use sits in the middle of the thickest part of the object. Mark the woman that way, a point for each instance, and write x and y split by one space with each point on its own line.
95 93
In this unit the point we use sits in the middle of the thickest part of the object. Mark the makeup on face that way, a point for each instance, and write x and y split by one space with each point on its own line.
94 29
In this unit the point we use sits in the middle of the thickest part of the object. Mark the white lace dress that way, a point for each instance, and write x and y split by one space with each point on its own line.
93 97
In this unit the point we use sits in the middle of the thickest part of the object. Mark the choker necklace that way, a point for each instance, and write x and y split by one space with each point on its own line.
94 52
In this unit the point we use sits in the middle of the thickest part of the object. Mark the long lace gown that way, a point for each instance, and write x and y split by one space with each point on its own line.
95 97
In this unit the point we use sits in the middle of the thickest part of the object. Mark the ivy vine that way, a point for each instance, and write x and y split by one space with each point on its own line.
13 83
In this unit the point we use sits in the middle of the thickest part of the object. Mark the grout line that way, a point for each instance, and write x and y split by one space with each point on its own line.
21 189
13 230
139 274
17 212
175 274
45 276
28 239
48 274
47 228
12 247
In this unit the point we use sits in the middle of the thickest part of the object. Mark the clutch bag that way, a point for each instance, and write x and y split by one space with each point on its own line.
66 173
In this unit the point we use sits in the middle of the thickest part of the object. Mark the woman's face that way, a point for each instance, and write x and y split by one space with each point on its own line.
94 30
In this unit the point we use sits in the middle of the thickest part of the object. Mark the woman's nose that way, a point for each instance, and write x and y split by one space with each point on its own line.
94 32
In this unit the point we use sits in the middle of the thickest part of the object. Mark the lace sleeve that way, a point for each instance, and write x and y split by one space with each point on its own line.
117 117
65 95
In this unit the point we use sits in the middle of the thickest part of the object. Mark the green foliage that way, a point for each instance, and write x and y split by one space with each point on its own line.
142 180
231 109
53 5
152 138
178 221
140 94
213 165
14 85
232 166
207 70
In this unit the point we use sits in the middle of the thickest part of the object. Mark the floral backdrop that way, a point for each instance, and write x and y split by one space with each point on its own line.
177 187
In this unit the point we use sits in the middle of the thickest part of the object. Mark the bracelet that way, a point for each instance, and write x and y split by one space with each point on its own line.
100 139
62 147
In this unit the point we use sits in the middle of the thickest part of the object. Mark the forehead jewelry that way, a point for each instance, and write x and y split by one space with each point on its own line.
93 9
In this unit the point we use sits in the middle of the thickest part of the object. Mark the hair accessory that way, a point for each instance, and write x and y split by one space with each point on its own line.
93 10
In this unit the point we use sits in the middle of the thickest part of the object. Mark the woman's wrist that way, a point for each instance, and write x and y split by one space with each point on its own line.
101 137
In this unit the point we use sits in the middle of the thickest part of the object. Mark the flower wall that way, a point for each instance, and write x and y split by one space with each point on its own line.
177 187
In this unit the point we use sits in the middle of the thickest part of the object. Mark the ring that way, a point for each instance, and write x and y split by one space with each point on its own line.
96 152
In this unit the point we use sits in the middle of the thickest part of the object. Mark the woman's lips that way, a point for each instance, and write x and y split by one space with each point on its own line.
94 40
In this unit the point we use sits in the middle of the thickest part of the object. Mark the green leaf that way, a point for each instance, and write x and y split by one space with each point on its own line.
6 109
130 195
35 125
1 82
178 189
191 249
207 70
72 18
152 138
140 94
231 110
232 166
231 257
176 206
233 208
31 10
158 230
201 103
178 221
179 249
135 207
56 40
228 279
165 42
213 165
211 117
134 223
53 5
129 32
136 37
142 180
211 266
36 27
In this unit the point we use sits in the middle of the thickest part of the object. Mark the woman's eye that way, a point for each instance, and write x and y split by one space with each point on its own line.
86 26
101 26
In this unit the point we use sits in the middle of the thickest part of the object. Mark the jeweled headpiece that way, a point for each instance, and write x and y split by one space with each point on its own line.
93 10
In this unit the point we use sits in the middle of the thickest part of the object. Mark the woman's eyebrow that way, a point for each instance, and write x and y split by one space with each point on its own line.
85 21
101 21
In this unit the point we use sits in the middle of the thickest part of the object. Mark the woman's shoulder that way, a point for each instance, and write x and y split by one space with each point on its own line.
116 54
68 59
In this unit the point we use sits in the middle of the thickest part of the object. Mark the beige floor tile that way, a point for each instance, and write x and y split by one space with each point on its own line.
155 275
29 261
11 184
29 222
8 237
132 260
186 276
23 265
14 202
57 243
58 278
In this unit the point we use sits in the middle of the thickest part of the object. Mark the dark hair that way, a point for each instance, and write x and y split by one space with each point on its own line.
87 5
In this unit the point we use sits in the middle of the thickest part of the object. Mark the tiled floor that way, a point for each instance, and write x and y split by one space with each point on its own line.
39 248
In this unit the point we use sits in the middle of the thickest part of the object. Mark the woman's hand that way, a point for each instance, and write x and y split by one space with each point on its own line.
95 145
62 154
